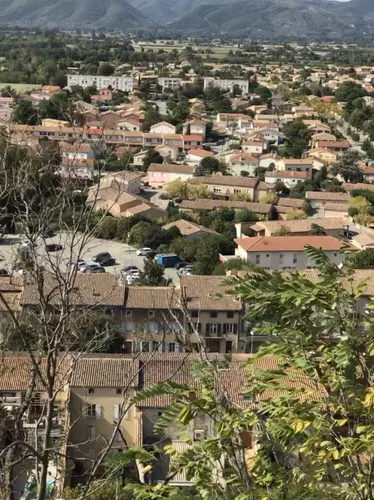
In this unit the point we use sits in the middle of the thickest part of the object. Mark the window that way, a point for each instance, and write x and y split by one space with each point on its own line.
91 411
230 314
151 314
119 391
144 346
151 327
281 258
115 412
258 258
294 260
91 390
213 314
90 432
194 314
212 327
129 314
172 347
216 190
230 328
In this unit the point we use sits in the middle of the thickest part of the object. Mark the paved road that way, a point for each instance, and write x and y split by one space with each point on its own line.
124 254
354 145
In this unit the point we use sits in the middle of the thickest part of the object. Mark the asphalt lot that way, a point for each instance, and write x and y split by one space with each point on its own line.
124 254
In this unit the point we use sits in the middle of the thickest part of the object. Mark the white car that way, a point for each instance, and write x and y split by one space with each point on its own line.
144 251
132 277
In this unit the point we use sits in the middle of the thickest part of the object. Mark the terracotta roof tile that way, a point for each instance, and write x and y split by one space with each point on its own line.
208 293
204 204
105 371
302 225
101 290
164 167
288 243
188 228
326 196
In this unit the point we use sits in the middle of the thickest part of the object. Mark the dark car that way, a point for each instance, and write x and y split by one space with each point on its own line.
53 247
109 261
101 256
4 272
48 233
180 265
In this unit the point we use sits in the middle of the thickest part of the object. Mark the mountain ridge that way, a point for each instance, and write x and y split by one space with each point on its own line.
259 19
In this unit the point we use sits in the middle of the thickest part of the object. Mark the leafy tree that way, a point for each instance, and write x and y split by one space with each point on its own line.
245 215
283 231
153 274
264 93
105 69
347 167
241 196
297 136
209 165
359 204
349 91
316 230
25 113
269 198
363 259
152 156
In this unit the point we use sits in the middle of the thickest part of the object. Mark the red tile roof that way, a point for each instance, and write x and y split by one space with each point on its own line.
288 243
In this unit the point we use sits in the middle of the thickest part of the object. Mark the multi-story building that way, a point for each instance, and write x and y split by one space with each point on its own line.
124 83
168 82
243 85
288 252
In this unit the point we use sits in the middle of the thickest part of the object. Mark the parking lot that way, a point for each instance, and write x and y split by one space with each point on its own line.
124 254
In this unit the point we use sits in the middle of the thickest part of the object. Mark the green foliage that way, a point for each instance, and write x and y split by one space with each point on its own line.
347 167
150 234
245 215
25 113
316 230
297 136
363 259
209 165
152 156
349 91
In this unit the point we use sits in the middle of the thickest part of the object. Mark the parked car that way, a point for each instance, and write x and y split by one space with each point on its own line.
48 233
53 247
88 268
187 270
144 251
132 277
96 270
109 261
125 270
180 265
4 272
100 256
167 259
76 264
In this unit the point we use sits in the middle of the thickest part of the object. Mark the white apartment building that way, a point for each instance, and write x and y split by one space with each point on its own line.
124 83
287 252
226 84
170 83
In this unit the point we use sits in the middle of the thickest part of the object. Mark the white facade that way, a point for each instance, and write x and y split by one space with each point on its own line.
285 260
124 83
256 149
163 128
227 84
170 83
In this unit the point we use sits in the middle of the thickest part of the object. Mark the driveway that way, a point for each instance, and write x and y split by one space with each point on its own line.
124 254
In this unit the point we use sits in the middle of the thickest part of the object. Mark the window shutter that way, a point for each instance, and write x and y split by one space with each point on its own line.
219 327
84 409
207 328
177 347
98 411
116 412
235 328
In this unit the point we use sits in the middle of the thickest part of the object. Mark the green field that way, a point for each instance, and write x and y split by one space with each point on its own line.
217 53
21 87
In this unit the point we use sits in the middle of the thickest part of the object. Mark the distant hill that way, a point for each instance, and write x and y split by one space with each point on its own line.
261 19
106 14
273 18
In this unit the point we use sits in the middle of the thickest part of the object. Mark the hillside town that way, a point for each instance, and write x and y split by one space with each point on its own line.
186 272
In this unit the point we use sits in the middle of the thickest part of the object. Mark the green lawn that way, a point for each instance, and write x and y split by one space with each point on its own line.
21 87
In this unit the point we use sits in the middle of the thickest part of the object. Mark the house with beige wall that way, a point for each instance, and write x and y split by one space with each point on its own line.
296 165
160 174
225 186
242 162
253 147
287 252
